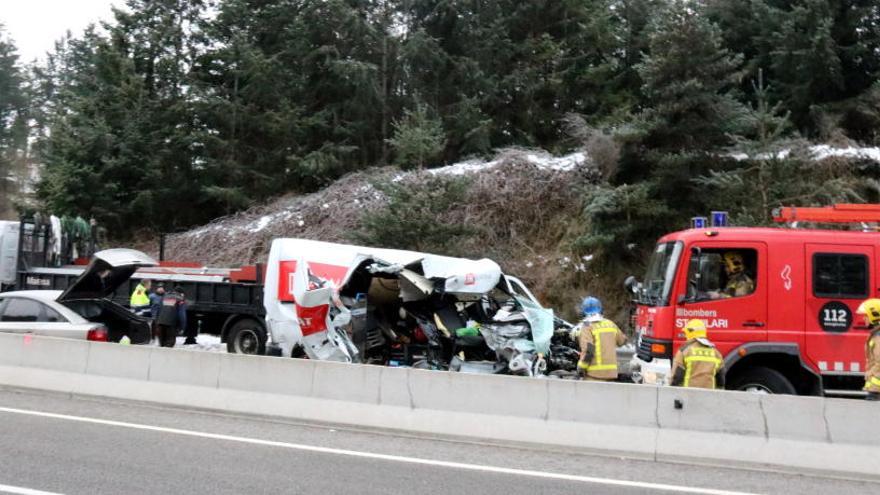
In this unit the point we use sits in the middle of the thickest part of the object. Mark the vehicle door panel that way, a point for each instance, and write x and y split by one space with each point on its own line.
22 315
19 316
839 278
53 324
731 321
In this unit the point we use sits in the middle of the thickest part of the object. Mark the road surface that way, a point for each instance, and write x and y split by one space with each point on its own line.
53 443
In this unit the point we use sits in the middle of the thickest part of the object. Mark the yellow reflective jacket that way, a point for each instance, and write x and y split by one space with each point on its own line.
872 361
698 364
603 338
139 297
739 285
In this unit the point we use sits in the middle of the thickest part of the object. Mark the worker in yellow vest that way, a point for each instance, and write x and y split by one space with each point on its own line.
140 299
871 310
598 339
697 364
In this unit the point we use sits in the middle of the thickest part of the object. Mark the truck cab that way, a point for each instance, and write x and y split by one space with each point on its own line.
786 321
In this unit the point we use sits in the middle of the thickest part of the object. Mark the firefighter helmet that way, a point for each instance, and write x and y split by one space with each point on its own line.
695 329
871 309
591 306
733 262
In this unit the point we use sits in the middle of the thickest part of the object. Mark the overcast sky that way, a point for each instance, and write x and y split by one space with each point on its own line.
34 25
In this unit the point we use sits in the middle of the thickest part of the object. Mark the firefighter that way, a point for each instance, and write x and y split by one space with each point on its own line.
871 309
140 301
738 281
698 364
598 339
172 316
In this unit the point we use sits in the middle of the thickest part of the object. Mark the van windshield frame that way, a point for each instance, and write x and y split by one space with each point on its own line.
660 275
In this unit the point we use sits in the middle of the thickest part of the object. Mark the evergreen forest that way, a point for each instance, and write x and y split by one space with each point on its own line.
175 112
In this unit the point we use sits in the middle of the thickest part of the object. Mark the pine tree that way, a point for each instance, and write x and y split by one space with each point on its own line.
821 55
414 217
750 186
806 60
84 118
13 125
507 72
622 220
118 143
774 168
689 81
297 94
418 138
690 111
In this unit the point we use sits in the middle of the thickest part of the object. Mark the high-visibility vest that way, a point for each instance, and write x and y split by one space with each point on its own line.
605 337
139 297
701 364
739 285
872 362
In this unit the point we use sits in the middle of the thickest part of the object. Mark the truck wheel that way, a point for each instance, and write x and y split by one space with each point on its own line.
761 380
246 337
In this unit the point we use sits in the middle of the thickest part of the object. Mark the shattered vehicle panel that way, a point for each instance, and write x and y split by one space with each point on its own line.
320 327
402 308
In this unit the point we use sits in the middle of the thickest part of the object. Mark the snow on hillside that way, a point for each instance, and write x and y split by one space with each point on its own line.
367 193
822 152
332 213
542 161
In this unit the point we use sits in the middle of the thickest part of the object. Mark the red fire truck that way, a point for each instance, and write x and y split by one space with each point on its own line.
791 327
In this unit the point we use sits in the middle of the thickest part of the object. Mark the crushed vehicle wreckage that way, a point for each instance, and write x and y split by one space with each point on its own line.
337 302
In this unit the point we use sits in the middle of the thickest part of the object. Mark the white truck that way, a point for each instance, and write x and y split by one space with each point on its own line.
349 303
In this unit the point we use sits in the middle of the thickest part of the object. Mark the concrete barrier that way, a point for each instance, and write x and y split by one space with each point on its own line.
789 433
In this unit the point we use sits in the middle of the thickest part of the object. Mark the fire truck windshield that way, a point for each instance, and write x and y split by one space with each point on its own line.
660 275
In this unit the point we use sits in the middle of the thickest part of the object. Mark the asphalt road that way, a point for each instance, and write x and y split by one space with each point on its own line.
60 444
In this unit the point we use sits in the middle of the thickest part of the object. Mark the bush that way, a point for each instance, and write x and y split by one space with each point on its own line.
418 138
415 217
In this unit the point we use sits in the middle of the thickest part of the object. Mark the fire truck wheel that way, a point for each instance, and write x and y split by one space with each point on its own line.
761 380
246 337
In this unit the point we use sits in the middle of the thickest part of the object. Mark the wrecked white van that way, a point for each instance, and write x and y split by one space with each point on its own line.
347 303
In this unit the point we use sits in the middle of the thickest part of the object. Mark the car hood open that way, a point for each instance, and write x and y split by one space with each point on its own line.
105 273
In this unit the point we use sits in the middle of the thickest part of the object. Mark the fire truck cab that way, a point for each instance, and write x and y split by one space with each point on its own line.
784 318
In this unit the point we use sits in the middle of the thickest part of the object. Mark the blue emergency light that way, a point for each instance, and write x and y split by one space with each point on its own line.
699 222
719 219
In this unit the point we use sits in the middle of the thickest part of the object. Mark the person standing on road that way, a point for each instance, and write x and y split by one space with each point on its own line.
155 306
156 297
871 309
598 339
172 317
140 301
189 331
697 364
